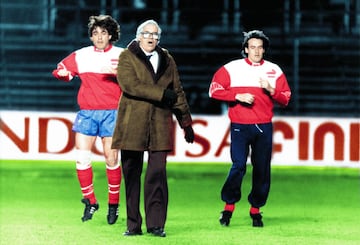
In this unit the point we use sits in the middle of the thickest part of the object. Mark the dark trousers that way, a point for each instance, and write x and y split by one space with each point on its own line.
259 138
155 188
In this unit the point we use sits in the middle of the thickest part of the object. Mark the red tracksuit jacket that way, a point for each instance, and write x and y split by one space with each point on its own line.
99 89
242 76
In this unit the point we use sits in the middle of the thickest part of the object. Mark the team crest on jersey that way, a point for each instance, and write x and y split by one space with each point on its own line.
271 74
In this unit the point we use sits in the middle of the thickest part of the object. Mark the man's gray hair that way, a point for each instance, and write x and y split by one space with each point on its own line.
140 28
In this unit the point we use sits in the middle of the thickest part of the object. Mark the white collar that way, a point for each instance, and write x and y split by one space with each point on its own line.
147 53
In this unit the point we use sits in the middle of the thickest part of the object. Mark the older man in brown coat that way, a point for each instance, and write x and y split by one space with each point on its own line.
152 94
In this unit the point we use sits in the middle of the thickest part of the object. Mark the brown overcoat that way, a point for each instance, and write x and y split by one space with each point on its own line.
143 121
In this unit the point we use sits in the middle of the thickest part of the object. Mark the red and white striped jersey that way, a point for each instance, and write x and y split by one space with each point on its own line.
99 89
242 76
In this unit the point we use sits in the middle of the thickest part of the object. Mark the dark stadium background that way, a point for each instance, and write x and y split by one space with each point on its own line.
315 42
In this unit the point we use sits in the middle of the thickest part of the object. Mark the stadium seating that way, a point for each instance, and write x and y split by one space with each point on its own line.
322 64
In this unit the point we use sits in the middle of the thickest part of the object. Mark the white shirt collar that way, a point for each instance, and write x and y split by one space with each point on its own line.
147 53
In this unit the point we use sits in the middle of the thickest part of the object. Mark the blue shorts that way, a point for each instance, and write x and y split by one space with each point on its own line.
95 122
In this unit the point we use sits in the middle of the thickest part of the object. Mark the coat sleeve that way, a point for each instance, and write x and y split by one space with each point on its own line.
181 108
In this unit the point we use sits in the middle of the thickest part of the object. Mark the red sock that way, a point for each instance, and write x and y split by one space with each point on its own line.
229 207
114 181
85 177
254 210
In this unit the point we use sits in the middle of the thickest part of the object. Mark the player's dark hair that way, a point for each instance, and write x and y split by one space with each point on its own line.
106 22
254 34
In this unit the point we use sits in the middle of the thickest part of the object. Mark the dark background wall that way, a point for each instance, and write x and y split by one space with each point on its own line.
316 43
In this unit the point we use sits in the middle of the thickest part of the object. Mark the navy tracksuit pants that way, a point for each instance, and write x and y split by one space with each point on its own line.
258 138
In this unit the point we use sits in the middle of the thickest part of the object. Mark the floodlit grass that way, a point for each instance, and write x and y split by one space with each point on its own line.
40 204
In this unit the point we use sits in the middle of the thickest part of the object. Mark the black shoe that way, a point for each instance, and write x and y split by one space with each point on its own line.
257 220
113 213
133 233
157 231
89 209
225 218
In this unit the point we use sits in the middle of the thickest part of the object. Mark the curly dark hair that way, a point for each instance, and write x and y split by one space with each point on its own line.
254 34
106 22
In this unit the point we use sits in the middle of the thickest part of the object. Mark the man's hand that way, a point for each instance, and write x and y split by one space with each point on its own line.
63 73
169 97
189 134
108 70
266 85
245 97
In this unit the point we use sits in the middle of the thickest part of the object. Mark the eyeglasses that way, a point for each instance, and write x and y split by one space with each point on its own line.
154 35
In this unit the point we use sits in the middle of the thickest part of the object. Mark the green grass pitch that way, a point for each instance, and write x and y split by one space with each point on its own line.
40 204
